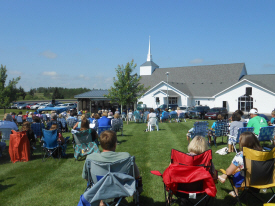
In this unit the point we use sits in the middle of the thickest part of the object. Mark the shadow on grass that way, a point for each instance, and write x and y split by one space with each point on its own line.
122 141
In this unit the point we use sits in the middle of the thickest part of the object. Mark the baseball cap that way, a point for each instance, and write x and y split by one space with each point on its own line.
253 111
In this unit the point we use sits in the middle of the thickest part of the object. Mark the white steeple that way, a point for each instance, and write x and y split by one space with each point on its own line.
149 56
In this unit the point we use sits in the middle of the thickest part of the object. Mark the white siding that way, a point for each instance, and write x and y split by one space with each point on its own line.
262 99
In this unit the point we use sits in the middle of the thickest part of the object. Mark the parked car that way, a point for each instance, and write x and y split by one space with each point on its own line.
37 105
198 112
185 110
170 106
22 106
14 106
214 112
29 105
68 105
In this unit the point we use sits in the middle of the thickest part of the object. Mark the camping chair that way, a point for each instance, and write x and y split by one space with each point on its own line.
71 122
188 176
200 128
63 123
101 129
5 133
173 117
50 145
19 120
240 131
84 144
181 116
144 117
19 147
267 134
259 173
221 130
152 123
37 129
130 117
111 180
123 117
29 119
137 117
165 116
117 125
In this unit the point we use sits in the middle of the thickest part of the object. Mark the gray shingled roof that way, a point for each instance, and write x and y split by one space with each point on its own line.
93 94
203 81
170 92
265 80
150 63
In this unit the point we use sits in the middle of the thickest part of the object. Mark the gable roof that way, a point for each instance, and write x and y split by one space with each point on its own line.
93 94
264 80
203 81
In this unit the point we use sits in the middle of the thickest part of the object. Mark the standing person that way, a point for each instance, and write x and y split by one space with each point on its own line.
272 121
249 140
256 121
234 126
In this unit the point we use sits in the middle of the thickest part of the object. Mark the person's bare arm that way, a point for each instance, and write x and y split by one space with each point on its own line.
231 169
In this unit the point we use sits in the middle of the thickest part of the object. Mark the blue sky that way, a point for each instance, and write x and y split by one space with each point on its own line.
71 44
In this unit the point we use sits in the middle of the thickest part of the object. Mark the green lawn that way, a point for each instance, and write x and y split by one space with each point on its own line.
60 183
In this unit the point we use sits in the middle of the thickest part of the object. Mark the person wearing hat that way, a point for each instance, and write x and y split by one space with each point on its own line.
8 122
256 121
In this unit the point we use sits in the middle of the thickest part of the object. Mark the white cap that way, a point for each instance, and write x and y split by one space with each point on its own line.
253 111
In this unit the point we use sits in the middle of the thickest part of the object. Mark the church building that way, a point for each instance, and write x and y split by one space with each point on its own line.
222 85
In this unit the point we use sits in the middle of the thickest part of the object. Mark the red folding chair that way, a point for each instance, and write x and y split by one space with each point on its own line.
188 177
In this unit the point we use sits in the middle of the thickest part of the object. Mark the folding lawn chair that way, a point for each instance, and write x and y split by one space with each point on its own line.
259 173
37 129
50 144
267 134
165 116
220 130
101 129
111 180
200 128
144 117
188 177
240 131
5 133
84 144
181 116
117 125
19 120
173 117
29 119
152 124
130 117
123 117
63 123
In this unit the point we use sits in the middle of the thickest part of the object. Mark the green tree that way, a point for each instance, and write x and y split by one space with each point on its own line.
31 92
8 93
126 88
21 92
57 94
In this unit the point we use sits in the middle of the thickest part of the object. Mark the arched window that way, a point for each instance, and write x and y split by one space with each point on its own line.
245 103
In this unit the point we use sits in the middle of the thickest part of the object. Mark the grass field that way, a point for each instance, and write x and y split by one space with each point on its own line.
60 183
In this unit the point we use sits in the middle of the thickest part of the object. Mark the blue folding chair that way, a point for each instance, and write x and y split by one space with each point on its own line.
137 116
173 116
240 131
50 145
29 119
37 129
165 116
267 134
19 120
101 129
181 116
63 123
221 130
200 128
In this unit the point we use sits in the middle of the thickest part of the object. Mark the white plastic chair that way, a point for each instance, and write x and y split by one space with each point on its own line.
153 122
